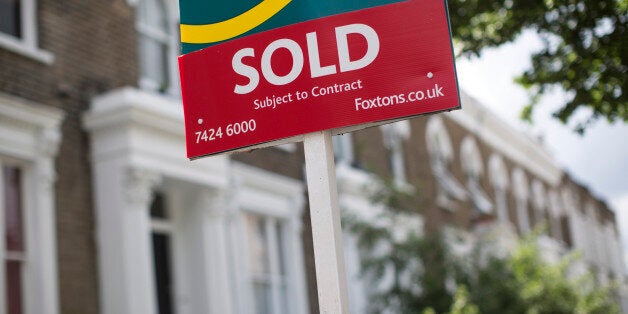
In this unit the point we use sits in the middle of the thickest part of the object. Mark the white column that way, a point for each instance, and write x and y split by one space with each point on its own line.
296 268
575 222
241 291
522 215
43 249
502 209
211 212
44 254
122 200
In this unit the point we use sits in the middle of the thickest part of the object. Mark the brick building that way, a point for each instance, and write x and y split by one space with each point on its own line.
103 214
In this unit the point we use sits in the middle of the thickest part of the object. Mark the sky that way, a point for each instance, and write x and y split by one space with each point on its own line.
598 159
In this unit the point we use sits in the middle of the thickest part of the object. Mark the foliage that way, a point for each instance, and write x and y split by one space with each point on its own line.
585 48
525 283
396 260
413 273
460 305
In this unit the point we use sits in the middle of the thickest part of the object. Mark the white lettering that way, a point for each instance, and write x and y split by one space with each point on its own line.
343 46
316 70
297 61
245 70
315 60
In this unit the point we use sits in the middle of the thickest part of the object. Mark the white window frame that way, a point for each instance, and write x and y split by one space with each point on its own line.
556 214
394 135
441 155
29 138
27 45
539 201
498 175
279 199
473 167
521 193
593 241
5 256
274 278
170 39
343 149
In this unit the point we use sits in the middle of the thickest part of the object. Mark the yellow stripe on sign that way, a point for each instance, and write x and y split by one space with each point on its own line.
210 33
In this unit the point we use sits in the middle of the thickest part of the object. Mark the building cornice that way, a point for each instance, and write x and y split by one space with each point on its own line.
145 130
28 129
512 144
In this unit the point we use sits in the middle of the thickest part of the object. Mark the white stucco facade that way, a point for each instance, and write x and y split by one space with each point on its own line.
137 143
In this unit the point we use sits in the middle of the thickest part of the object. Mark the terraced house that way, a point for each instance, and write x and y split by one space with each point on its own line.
102 213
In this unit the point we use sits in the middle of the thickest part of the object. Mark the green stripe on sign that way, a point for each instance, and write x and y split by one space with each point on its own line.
205 23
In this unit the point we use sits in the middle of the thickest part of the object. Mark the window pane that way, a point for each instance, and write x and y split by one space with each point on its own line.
10 17
256 235
343 148
161 251
14 287
282 250
262 297
502 206
153 14
154 62
285 304
158 207
13 209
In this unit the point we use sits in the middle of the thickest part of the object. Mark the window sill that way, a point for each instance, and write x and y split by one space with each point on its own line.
26 50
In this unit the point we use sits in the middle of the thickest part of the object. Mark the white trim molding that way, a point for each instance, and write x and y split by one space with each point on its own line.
27 45
138 145
30 134
166 35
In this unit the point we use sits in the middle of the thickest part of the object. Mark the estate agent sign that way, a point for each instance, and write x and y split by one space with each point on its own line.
255 72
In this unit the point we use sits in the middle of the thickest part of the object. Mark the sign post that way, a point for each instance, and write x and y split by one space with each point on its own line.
326 229
256 74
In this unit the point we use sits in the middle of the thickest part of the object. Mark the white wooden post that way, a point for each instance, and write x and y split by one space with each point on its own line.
326 229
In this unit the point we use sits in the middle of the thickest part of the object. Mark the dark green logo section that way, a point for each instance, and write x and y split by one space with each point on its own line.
208 22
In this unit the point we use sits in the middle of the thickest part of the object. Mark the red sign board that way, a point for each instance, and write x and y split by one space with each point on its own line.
366 66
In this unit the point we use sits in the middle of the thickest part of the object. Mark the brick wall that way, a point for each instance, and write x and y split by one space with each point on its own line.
93 42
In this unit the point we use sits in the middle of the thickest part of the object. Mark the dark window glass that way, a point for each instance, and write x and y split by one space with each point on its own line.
161 251
158 207
11 17
11 179
13 209
14 287
564 222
